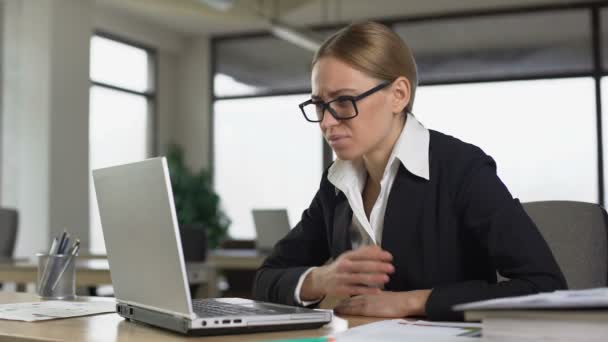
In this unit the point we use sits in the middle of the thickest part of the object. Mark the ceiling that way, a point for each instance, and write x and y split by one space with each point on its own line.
194 17
486 46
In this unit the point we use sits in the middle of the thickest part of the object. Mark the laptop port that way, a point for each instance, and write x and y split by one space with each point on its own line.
204 323
237 321
131 311
226 321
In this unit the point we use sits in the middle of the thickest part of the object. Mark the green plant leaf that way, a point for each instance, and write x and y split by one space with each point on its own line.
195 199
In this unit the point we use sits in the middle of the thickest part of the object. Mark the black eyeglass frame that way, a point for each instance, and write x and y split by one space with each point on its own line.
352 99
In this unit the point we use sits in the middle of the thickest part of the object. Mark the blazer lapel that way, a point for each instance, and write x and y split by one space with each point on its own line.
400 234
343 215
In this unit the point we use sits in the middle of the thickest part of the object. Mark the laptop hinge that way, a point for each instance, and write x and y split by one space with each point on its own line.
160 319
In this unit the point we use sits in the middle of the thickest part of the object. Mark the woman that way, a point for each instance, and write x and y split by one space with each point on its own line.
407 221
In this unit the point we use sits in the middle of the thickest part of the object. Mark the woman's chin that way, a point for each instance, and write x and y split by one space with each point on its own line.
345 154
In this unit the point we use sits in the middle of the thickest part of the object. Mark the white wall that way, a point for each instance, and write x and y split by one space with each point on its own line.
45 131
167 101
1 97
11 85
137 30
191 125
44 117
69 73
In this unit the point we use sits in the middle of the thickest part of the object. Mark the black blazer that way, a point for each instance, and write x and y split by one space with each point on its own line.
450 233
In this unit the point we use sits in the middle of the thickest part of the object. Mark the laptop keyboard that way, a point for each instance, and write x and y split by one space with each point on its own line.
212 309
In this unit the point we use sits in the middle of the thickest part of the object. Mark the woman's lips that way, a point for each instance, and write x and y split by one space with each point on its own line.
337 140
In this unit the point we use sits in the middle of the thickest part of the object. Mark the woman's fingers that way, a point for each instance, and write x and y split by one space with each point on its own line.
352 301
354 290
365 279
360 271
366 267
351 306
372 252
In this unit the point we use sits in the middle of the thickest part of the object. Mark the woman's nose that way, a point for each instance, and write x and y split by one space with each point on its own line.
328 120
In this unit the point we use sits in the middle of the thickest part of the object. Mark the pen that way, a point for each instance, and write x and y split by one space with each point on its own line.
61 241
53 246
64 246
52 266
45 271
71 256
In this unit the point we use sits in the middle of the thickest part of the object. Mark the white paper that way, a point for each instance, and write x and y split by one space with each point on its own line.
54 309
409 330
569 299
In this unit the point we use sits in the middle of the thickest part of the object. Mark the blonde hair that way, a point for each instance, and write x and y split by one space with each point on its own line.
375 50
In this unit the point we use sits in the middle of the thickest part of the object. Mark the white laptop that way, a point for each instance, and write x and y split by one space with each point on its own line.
147 265
271 225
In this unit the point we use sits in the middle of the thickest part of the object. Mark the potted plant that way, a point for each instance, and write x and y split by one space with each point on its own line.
201 220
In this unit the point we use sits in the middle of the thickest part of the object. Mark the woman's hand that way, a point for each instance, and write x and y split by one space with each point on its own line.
386 304
357 272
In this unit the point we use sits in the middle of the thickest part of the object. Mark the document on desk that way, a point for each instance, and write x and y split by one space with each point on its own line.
53 309
411 330
565 299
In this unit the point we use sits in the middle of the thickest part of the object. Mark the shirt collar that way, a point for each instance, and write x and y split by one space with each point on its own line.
412 149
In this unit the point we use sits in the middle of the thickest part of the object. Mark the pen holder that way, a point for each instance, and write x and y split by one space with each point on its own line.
56 276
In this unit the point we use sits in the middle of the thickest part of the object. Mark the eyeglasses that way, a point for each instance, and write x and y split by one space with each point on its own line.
341 108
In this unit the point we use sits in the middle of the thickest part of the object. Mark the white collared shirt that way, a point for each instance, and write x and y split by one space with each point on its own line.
349 177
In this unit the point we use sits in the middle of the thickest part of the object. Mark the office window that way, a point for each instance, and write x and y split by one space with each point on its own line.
121 106
119 64
266 156
266 64
541 133
229 86
500 46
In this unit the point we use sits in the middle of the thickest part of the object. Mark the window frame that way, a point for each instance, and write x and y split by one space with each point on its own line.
598 70
150 95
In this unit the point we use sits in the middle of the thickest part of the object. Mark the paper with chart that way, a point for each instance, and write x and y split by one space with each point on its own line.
53 309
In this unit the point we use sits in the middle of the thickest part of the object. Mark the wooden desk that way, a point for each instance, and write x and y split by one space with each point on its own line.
111 327
236 259
89 272
95 272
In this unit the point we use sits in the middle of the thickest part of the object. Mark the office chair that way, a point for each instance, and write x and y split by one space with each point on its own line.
8 233
577 234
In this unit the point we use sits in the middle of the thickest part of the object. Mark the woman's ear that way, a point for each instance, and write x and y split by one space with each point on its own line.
401 91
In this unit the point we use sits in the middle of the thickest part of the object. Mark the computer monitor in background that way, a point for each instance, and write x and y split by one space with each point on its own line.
271 225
